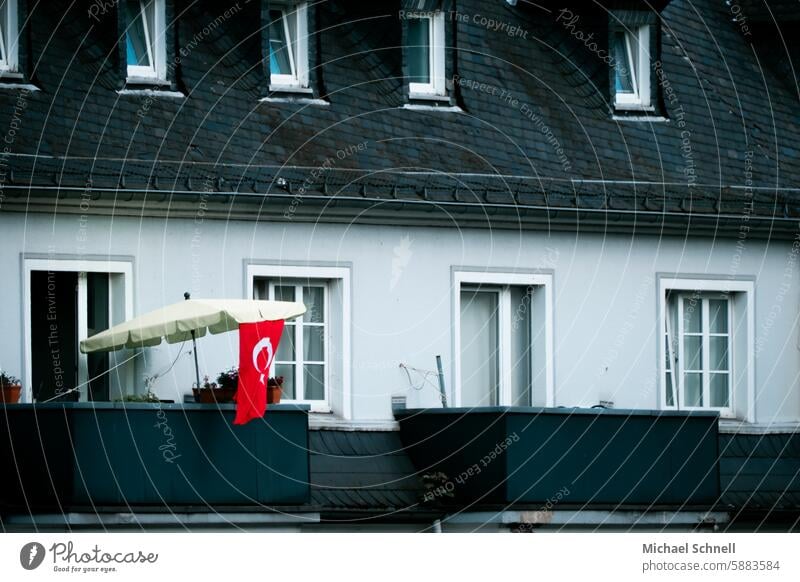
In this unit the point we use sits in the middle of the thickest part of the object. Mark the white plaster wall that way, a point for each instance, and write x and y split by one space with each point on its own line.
605 297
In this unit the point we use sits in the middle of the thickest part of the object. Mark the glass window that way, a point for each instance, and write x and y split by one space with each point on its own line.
495 344
144 39
288 45
698 347
419 50
425 54
631 52
8 34
281 59
302 353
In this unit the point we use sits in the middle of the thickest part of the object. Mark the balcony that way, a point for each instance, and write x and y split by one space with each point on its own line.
508 455
69 456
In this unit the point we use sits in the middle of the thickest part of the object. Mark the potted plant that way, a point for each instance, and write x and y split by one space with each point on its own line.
222 391
274 390
11 388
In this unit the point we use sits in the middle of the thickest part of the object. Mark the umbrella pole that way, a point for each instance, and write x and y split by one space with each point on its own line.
196 366
186 296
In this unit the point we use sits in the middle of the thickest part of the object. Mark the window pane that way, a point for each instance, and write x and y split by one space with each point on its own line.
284 293
286 345
718 315
667 360
622 65
137 50
314 382
313 297
719 390
5 38
479 348
313 343
280 62
693 389
520 346
419 65
692 315
693 352
97 320
718 352
287 389
670 393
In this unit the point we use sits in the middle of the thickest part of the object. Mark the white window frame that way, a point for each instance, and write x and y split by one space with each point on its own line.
638 39
463 280
9 61
298 327
80 266
435 56
157 44
687 286
332 350
705 363
299 56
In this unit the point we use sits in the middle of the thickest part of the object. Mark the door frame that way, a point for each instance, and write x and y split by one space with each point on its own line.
46 263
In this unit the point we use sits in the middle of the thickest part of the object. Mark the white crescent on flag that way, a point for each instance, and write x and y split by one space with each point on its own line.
264 344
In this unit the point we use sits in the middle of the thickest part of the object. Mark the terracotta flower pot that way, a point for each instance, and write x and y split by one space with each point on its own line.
274 394
10 393
213 395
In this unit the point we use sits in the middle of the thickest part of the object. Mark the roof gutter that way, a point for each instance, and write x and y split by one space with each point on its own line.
317 207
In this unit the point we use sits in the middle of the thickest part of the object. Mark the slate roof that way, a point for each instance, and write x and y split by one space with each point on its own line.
370 474
362 472
563 150
760 472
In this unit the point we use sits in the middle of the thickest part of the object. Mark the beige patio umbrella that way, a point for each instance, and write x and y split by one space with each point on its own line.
187 320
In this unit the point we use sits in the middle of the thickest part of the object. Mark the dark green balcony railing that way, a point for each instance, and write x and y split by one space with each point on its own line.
97 455
510 455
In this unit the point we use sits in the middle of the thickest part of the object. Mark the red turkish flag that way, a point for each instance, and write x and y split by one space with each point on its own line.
258 344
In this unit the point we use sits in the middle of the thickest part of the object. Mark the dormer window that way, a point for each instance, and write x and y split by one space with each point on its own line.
288 46
425 53
145 39
9 36
631 52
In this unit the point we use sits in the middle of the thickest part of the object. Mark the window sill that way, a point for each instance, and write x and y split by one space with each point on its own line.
625 107
17 86
10 75
440 108
146 81
296 99
151 92
735 426
317 421
292 89
650 118
428 97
